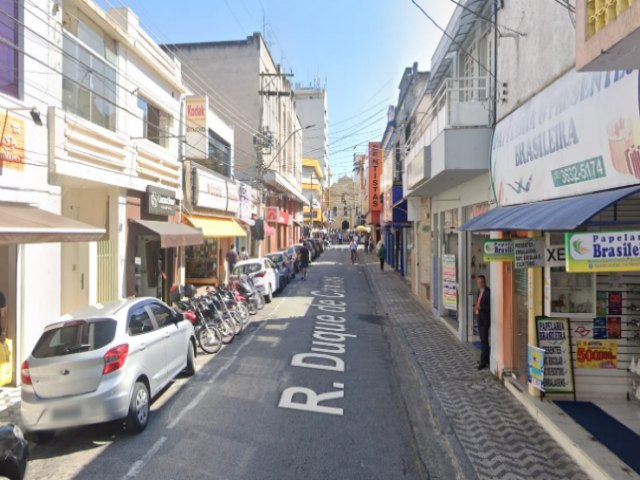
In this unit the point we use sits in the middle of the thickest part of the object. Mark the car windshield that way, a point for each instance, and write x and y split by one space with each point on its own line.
75 337
246 269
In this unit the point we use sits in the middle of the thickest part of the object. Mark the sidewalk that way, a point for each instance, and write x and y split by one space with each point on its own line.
493 431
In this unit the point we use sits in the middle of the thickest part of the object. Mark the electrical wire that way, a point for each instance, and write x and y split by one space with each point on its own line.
487 19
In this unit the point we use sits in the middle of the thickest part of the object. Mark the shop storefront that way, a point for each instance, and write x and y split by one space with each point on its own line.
155 239
213 202
567 182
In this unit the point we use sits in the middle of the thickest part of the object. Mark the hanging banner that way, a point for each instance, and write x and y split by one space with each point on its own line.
449 283
197 136
603 251
535 367
11 143
579 135
553 338
375 169
528 252
597 354
498 251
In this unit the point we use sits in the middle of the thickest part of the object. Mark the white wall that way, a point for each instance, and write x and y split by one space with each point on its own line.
311 107
529 63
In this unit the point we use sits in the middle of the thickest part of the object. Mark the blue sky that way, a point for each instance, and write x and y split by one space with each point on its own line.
358 47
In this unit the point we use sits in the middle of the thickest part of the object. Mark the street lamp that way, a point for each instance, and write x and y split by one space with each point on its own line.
284 144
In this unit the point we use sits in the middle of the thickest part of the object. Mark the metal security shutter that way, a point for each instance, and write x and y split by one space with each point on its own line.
106 272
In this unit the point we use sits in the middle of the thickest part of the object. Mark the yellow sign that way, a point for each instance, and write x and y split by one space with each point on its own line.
12 143
603 251
597 354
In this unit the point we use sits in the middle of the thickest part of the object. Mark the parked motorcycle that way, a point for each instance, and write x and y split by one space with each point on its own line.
209 337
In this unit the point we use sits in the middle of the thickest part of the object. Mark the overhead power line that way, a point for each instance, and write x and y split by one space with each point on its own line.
487 19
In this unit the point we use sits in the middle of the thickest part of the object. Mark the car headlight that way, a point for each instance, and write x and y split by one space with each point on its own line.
18 432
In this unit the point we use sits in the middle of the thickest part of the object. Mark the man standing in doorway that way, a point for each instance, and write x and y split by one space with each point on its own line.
483 314
232 259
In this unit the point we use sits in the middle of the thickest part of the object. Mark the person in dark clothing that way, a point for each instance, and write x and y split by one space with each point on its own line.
382 253
304 259
483 314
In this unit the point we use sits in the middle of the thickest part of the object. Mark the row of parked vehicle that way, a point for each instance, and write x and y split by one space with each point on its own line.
107 362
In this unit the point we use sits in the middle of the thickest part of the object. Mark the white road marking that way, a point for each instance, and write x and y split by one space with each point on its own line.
191 406
139 465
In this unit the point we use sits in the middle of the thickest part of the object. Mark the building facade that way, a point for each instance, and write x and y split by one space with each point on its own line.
311 107
344 204
254 95
314 188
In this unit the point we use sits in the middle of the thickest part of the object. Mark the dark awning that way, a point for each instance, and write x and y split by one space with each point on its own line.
561 214
173 234
26 224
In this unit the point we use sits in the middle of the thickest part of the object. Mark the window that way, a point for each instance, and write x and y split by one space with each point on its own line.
335 211
156 124
219 155
164 316
9 55
346 211
89 74
140 321
397 174
75 337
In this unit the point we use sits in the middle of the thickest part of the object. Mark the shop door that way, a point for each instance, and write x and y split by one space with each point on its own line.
477 267
147 272
520 324
8 286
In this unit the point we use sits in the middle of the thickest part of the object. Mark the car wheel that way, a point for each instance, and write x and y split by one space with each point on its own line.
41 436
138 408
190 369
269 296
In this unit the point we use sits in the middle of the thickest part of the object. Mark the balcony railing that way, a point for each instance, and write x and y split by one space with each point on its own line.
601 13
462 102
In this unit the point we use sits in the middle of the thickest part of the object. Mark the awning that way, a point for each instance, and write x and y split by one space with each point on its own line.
26 224
173 234
562 214
217 227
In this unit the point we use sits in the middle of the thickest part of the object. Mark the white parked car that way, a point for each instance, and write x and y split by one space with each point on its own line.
263 273
104 363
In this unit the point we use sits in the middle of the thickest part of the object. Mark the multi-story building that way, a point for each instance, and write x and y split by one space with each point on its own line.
254 95
314 188
447 160
564 168
101 149
311 107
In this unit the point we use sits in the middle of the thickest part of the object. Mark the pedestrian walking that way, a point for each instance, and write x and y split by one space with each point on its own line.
371 244
353 246
382 253
243 254
232 259
304 259
483 315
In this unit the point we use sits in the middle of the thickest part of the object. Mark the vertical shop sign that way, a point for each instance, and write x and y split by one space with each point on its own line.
375 168
597 354
535 367
197 145
553 337
449 283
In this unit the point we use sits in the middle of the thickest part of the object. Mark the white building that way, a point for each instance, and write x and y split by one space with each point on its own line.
106 159
311 107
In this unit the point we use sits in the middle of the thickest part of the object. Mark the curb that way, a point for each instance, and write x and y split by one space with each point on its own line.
596 460
397 339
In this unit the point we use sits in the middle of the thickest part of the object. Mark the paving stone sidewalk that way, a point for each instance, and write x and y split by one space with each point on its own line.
499 437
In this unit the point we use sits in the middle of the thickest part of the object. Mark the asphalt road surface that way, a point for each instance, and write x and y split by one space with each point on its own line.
261 409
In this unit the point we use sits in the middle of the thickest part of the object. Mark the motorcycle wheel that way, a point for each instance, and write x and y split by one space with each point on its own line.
243 310
259 301
210 339
237 323
252 307
228 330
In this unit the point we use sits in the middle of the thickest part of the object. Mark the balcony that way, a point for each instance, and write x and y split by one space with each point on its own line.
455 141
607 35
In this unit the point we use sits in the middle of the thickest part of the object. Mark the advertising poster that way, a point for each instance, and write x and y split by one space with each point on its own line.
553 338
449 282
614 327
579 135
614 303
603 251
12 143
535 367
498 251
597 354
600 328
529 252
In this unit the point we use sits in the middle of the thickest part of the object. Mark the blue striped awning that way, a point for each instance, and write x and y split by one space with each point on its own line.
561 214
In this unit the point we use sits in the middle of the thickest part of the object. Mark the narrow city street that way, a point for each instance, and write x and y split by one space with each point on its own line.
232 419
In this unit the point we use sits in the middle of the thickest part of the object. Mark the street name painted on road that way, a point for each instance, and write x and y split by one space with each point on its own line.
329 341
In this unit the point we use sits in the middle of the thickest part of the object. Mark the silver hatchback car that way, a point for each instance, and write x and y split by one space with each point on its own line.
104 363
